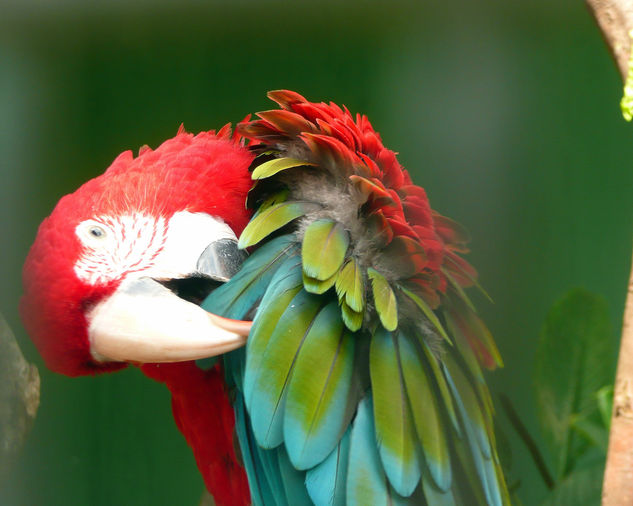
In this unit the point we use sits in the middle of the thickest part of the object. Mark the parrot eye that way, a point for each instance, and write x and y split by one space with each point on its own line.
93 233
96 232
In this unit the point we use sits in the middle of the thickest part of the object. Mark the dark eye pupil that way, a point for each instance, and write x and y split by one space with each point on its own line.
96 232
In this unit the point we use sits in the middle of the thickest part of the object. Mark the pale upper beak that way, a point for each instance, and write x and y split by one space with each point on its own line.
144 321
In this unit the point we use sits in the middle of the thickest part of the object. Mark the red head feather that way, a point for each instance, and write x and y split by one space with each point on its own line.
206 173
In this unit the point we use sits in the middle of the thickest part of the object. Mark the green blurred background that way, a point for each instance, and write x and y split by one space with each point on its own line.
506 112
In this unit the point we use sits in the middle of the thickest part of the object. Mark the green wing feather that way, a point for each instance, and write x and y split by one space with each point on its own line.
316 405
272 219
428 313
392 414
384 300
269 381
350 287
284 287
276 165
353 320
326 482
362 380
427 417
323 250
366 481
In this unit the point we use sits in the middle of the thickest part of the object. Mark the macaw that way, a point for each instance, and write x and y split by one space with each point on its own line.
351 369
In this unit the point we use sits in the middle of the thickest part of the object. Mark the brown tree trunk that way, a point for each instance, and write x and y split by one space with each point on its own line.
19 398
615 19
617 488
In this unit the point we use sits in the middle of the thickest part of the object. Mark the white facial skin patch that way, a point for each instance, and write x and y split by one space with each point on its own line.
116 247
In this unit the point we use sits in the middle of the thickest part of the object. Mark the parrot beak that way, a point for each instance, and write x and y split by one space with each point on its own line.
146 321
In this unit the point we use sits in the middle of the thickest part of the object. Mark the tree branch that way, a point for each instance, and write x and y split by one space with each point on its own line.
617 488
615 19
19 397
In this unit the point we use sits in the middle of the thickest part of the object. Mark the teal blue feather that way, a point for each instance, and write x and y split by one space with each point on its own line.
395 429
269 461
426 411
293 480
475 430
473 368
261 493
237 298
207 363
440 381
317 399
366 480
327 481
234 368
267 385
437 497
283 287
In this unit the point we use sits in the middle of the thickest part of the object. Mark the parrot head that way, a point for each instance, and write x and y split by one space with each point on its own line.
116 269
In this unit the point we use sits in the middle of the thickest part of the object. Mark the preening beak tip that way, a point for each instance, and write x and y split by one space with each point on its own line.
240 327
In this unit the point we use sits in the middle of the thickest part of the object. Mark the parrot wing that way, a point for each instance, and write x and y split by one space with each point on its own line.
362 381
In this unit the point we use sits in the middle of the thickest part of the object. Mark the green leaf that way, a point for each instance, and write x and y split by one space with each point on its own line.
579 487
593 432
323 249
384 300
271 219
574 359
604 397
272 167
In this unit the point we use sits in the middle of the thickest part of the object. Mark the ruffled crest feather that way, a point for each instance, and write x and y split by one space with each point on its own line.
347 147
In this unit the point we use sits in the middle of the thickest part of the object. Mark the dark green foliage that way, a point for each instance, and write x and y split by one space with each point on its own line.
574 360
574 370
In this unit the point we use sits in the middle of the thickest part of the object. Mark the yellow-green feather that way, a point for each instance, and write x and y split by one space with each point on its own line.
318 286
426 414
395 432
323 250
350 287
352 319
384 300
276 165
268 383
442 386
272 219
316 404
